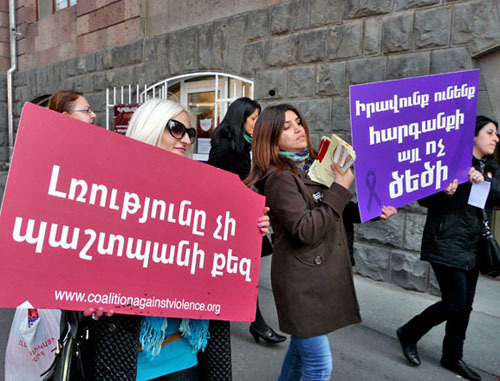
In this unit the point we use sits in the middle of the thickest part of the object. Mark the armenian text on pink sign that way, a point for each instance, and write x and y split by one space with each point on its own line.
100 219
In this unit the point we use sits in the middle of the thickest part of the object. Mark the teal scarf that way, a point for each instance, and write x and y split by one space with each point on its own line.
248 138
153 333
299 157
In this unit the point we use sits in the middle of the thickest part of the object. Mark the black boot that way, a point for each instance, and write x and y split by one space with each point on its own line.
267 334
408 347
460 367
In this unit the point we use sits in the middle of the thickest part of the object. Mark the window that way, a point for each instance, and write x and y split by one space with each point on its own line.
47 7
206 94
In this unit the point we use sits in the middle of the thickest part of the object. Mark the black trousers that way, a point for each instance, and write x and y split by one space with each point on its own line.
458 288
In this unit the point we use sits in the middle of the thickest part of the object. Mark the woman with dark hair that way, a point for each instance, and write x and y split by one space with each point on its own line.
311 271
231 144
450 243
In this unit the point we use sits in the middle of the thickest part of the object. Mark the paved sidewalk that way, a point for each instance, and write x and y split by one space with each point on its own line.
370 350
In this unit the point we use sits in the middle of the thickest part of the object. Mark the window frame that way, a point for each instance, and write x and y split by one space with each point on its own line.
53 7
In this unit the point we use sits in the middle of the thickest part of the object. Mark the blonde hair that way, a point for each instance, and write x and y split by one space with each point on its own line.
150 119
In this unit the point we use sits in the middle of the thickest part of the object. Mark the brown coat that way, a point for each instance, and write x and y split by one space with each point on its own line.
311 271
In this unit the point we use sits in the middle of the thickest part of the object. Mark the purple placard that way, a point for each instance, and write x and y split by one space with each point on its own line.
412 137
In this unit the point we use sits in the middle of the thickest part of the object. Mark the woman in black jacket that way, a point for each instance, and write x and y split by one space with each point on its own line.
450 243
230 150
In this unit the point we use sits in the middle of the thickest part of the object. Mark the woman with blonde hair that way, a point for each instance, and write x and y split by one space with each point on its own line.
168 347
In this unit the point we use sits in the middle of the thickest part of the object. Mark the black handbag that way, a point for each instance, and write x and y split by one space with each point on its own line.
71 348
114 342
489 251
214 363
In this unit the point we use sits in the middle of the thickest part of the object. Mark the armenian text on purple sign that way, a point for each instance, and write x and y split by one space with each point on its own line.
412 137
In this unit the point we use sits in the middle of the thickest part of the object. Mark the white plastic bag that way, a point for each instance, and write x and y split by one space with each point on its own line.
32 343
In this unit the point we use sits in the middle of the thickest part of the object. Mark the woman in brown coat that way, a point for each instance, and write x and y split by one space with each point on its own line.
311 271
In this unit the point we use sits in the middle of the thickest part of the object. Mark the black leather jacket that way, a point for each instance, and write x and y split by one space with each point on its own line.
453 227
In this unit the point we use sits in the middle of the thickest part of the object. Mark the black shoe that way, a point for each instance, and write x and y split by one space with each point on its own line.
409 348
268 335
460 367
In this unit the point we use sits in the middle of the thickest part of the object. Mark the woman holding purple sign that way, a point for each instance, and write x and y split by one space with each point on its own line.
450 243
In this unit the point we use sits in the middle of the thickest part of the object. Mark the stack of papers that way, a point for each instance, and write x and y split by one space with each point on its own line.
335 151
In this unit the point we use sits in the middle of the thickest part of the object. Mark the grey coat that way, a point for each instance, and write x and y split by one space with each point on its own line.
311 271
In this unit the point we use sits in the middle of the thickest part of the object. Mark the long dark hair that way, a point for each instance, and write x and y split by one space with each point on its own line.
265 142
233 125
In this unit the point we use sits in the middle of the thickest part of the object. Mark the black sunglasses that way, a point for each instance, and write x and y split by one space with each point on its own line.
178 130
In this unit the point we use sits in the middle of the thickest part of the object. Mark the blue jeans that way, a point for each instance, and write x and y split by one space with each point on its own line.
309 358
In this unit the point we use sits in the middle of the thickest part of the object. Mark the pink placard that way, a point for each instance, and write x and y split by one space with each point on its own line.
93 218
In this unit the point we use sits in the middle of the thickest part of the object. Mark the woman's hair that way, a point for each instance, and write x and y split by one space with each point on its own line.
62 100
232 126
150 119
265 148
482 121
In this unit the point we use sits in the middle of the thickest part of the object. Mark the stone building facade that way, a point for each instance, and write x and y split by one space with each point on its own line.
306 52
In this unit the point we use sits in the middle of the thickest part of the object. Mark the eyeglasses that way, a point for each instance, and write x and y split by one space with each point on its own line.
178 130
88 110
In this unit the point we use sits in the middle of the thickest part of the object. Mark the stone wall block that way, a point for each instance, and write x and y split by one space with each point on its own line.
281 18
317 113
414 229
71 67
345 40
330 79
341 117
408 65
82 65
204 43
300 82
281 51
85 83
258 25
129 54
432 28
270 84
408 271
402 5
365 70
155 48
389 233
182 60
21 94
99 80
253 57
477 23
312 46
373 35
363 8
121 76
324 12
372 261
448 60
228 44
396 33
300 14
107 59
42 83
19 79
